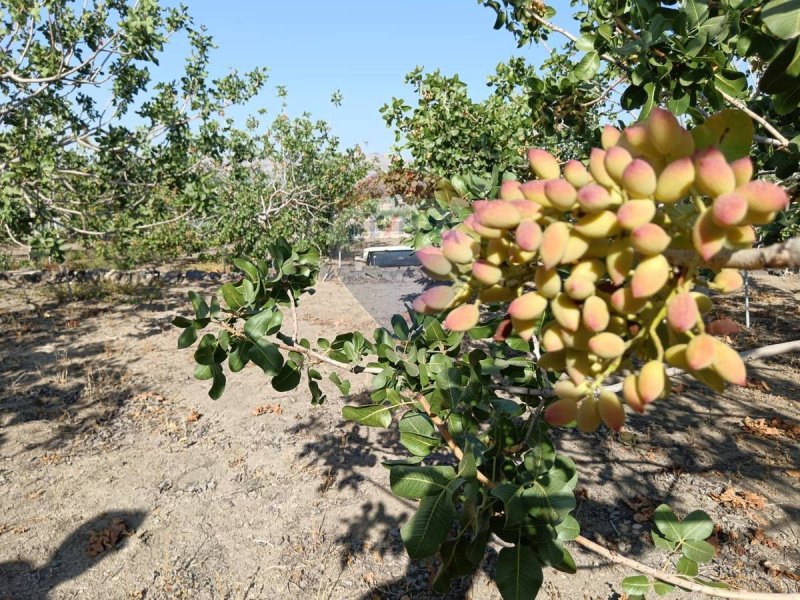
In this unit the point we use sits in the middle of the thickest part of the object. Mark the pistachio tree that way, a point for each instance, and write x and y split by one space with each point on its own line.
93 143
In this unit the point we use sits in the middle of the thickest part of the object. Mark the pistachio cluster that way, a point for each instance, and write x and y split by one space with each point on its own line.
586 249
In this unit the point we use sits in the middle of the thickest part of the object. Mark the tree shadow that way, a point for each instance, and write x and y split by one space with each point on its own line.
74 556
66 364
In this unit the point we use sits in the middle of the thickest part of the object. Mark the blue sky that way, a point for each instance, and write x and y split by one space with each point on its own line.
362 47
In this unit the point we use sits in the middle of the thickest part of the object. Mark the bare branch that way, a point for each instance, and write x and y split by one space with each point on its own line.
777 256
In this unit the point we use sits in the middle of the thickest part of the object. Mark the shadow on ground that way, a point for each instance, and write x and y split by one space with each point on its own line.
74 556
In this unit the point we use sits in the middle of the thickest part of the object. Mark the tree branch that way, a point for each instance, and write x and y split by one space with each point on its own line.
777 256
783 141
675 579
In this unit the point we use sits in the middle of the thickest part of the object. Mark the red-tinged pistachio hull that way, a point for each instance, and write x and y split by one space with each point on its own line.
700 351
682 312
543 164
607 345
729 210
675 181
561 412
728 281
650 239
576 174
652 381
639 179
615 162
650 276
463 318
595 315
588 417
434 262
528 306
713 174
611 411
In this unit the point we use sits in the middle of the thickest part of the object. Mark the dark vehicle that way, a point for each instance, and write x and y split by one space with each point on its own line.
389 256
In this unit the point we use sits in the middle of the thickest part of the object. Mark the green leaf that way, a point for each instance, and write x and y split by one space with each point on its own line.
400 327
636 585
419 445
417 482
730 82
781 75
200 307
317 395
686 566
541 458
203 372
218 386
467 467
732 130
267 356
663 543
181 322
204 355
233 297
372 415
588 66
786 102
633 97
585 43
239 357
264 323
247 267
568 529
668 523
697 525
429 526
342 384
696 12
518 344
518 573
662 589
698 550
782 18
288 378
567 564
187 338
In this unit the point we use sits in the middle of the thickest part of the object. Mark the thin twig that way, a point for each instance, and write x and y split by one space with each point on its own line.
677 580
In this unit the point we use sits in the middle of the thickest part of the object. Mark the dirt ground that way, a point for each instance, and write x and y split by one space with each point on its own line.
120 478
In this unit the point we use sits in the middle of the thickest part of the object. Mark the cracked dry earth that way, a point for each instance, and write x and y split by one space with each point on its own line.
120 478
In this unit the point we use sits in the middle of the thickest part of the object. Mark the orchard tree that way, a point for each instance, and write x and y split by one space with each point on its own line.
566 299
447 133
292 181
92 143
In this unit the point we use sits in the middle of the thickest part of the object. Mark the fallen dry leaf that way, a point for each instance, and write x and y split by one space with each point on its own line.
642 507
193 417
774 570
759 537
735 499
771 429
723 326
793 473
105 539
267 408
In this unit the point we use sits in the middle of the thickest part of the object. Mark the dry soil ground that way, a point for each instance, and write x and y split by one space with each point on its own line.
120 478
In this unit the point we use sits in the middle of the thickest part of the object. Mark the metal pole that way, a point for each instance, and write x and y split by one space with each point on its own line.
747 299
340 258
